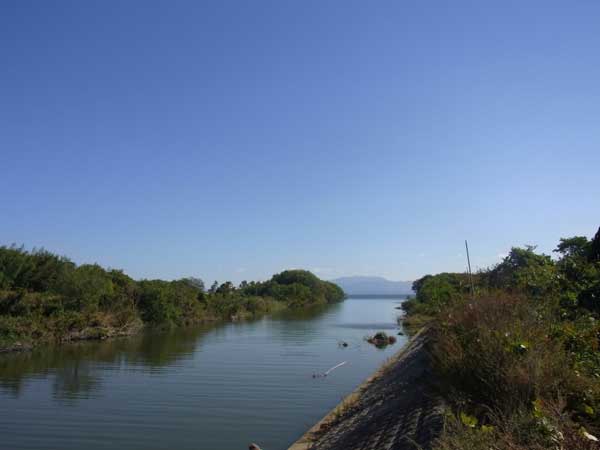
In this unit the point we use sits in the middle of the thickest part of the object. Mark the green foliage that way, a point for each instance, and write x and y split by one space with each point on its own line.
578 277
381 339
297 287
589 298
519 431
496 351
467 420
37 270
577 246
523 354
301 277
524 271
435 292
86 286
46 297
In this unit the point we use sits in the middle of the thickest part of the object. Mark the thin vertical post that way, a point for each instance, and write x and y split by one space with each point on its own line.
470 273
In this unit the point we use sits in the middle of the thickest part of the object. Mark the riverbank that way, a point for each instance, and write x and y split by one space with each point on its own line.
512 351
84 334
396 408
137 326
515 349
46 298
148 387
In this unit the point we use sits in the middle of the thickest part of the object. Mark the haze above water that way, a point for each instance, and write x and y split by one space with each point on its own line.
206 388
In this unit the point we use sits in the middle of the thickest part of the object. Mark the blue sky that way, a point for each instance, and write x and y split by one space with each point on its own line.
231 140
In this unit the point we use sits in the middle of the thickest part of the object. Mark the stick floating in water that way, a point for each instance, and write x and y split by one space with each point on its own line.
317 375
335 367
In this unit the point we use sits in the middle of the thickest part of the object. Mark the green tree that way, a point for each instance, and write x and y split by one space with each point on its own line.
196 283
86 286
526 271
226 288
577 246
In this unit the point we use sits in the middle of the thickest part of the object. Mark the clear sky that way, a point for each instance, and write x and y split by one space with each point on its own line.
231 140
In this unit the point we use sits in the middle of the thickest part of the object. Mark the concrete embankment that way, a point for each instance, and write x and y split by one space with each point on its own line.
397 408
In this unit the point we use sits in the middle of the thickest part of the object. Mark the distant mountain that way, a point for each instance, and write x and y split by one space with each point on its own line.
373 286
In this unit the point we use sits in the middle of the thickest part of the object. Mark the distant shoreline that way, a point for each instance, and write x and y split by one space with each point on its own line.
397 296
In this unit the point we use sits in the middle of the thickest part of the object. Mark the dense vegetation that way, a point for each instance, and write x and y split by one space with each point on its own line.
518 357
45 297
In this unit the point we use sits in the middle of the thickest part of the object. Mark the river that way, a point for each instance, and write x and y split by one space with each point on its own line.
206 388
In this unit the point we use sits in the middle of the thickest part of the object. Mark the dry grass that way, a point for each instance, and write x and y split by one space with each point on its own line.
550 429
344 406
501 363
498 350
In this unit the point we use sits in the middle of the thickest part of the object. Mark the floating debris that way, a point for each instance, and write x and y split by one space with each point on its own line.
324 374
381 339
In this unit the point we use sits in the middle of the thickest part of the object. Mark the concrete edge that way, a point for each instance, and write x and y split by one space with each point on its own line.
307 439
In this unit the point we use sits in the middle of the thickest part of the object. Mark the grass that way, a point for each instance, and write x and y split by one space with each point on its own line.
519 431
411 324
344 406
510 377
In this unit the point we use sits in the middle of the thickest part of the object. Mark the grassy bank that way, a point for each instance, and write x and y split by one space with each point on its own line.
47 298
518 359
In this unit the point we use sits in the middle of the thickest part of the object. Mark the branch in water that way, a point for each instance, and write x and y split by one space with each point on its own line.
316 375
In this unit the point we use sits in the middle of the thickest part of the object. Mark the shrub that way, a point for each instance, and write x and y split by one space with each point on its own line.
46 297
498 350
547 429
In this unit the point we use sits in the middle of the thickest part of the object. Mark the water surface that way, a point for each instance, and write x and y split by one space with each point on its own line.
207 388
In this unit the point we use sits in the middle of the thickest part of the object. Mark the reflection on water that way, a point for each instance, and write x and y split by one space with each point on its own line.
73 381
75 368
188 388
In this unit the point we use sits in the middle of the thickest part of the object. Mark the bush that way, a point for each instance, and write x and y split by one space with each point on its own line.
548 428
498 350
521 357
435 292
47 297
381 339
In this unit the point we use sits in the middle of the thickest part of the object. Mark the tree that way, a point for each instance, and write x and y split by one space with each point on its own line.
418 284
595 247
214 287
87 286
441 289
196 282
526 271
574 246
226 288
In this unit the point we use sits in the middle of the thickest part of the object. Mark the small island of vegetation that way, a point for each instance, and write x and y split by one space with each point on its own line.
517 353
48 298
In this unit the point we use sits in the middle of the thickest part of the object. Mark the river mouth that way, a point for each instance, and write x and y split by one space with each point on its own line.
213 387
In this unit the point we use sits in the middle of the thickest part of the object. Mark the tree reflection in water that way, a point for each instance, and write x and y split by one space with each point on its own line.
77 368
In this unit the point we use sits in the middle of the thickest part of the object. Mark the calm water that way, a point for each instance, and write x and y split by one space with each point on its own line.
213 388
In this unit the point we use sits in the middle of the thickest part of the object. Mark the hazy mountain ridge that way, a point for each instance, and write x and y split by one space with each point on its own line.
363 285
